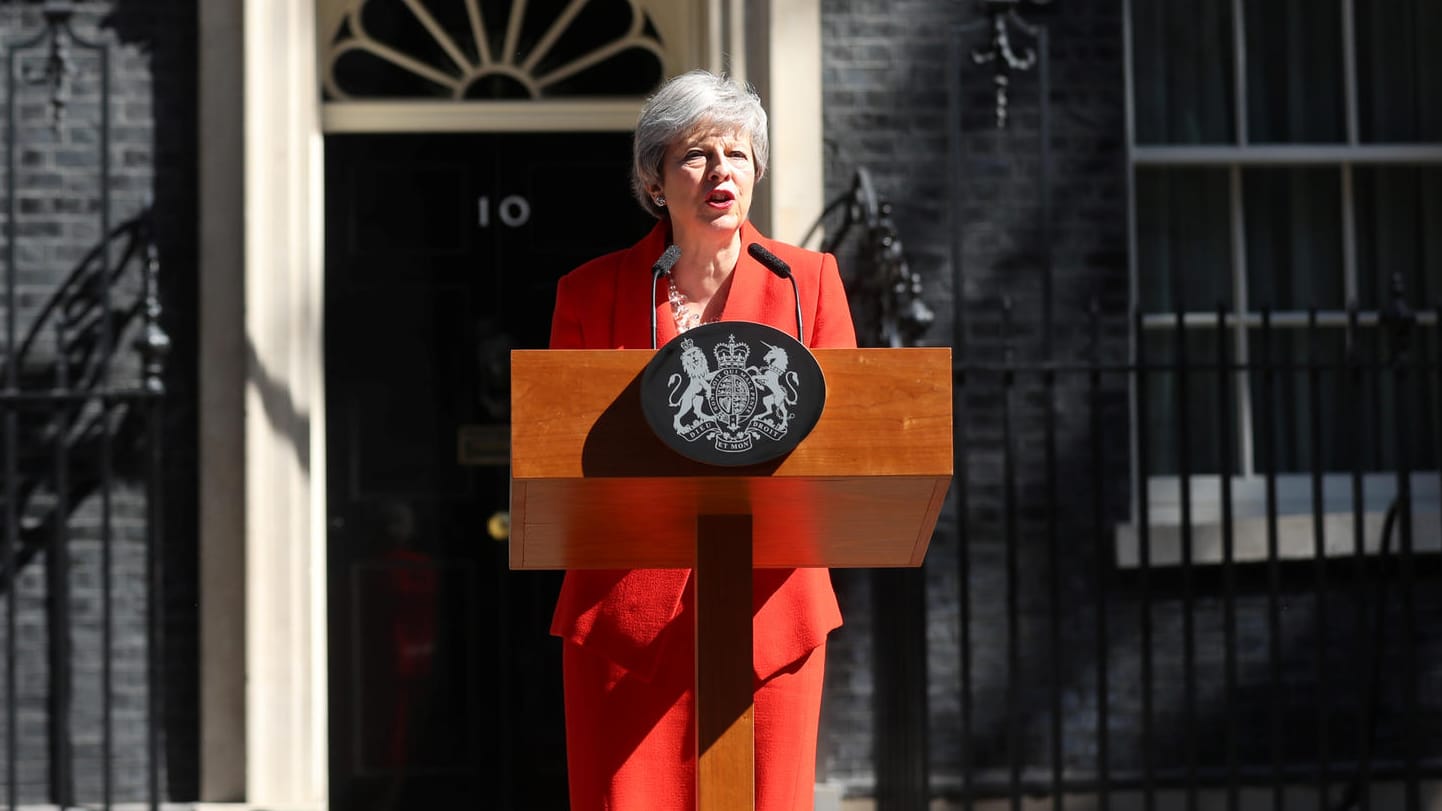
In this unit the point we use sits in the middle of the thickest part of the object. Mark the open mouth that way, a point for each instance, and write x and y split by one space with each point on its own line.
720 197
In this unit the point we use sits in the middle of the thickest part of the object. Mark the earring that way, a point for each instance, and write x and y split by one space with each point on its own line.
660 200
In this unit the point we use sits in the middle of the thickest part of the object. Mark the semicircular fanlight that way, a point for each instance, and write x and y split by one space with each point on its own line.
493 49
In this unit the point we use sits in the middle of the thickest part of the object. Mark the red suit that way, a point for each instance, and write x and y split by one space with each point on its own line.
629 635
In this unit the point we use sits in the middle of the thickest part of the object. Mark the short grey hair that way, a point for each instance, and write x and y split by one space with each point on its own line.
692 100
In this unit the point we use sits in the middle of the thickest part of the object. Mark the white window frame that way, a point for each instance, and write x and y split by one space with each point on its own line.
1295 523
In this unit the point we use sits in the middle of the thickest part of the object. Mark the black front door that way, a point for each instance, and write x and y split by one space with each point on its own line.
442 254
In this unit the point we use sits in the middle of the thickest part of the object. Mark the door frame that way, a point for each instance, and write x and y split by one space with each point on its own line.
263 526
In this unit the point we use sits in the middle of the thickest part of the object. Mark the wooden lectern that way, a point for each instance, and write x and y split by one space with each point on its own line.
592 487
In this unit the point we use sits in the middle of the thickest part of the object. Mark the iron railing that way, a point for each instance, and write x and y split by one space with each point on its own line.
1107 668
80 422
1115 634
1232 619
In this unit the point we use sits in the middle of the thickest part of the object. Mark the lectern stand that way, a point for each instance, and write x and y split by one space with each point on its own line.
593 488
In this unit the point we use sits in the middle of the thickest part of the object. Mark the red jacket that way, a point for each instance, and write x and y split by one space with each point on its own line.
602 304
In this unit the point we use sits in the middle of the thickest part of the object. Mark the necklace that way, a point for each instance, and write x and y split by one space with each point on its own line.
682 312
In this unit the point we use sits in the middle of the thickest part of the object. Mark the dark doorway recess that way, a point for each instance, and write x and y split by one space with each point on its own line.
442 255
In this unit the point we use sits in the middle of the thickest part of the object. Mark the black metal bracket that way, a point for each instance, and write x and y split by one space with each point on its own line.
999 51
59 66
884 282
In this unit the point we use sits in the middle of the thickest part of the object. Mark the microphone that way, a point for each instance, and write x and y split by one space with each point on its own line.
661 268
774 264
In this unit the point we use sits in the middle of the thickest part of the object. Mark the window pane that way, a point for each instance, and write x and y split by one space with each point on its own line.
1356 407
1399 234
1294 71
1425 417
1198 389
1409 400
1183 259
1399 67
1287 395
1294 242
1182 60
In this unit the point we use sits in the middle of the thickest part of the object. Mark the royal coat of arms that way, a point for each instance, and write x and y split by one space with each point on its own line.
740 397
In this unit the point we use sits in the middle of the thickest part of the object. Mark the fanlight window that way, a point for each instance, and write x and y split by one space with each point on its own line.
493 49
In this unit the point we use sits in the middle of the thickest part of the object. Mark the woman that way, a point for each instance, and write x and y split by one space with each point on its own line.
628 636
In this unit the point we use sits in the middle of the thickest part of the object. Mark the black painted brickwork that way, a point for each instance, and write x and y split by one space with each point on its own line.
885 108
153 159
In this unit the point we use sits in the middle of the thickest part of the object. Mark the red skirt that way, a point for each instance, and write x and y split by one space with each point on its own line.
631 744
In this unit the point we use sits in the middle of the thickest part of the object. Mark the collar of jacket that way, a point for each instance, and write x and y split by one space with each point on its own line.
745 302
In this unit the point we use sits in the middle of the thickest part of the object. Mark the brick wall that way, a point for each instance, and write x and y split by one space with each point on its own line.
886 108
59 206
885 84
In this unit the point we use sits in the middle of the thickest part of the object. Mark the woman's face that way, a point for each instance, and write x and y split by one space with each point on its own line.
707 177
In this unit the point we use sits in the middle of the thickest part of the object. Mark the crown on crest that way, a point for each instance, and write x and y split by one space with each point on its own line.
732 353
